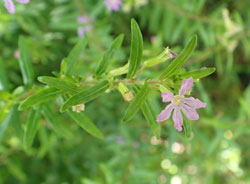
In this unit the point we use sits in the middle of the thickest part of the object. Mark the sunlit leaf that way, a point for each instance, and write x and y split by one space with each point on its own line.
136 49
176 64
65 86
40 97
197 74
86 95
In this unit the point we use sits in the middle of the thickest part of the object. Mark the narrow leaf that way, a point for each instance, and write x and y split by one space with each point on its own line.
5 124
187 129
150 115
71 61
57 126
84 122
102 67
40 97
176 64
86 95
197 74
135 106
135 50
4 82
25 62
65 86
31 127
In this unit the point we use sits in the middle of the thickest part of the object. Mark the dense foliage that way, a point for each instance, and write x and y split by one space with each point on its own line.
81 84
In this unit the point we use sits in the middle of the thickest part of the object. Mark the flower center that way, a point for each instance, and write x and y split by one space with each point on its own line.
177 99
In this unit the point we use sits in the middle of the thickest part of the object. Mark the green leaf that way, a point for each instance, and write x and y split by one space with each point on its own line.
5 124
187 129
4 82
31 127
40 97
136 49
176 64
197 74
57 126
25 62
84 122
102 67
135 106
71 61
86 95
150 115
65 86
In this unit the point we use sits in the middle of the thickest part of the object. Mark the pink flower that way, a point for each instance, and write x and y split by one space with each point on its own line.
83 19
85 26
113 5
10 6
180 104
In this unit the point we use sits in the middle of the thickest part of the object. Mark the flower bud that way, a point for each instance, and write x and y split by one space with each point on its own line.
163 56
78 108
126 93
119 71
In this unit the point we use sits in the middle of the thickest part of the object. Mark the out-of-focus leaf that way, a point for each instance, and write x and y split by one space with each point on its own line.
136 49
5 110
107 56
197 74
109 176
176 64
40 97
57 126
4 82
16 170
31 127
71 61
16 123
43 138
65 86
4 125
86 95
84 122
134 106
25 62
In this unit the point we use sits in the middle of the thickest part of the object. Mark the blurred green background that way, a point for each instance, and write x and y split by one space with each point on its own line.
216 152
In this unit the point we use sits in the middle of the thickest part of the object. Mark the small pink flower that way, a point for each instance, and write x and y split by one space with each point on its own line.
83 19
10 6
180 103
84 25
113 5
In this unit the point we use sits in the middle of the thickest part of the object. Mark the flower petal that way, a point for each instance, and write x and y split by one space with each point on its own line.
167 96
9 5
177 118
23 1
194 102
186 86
189 112
165 114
